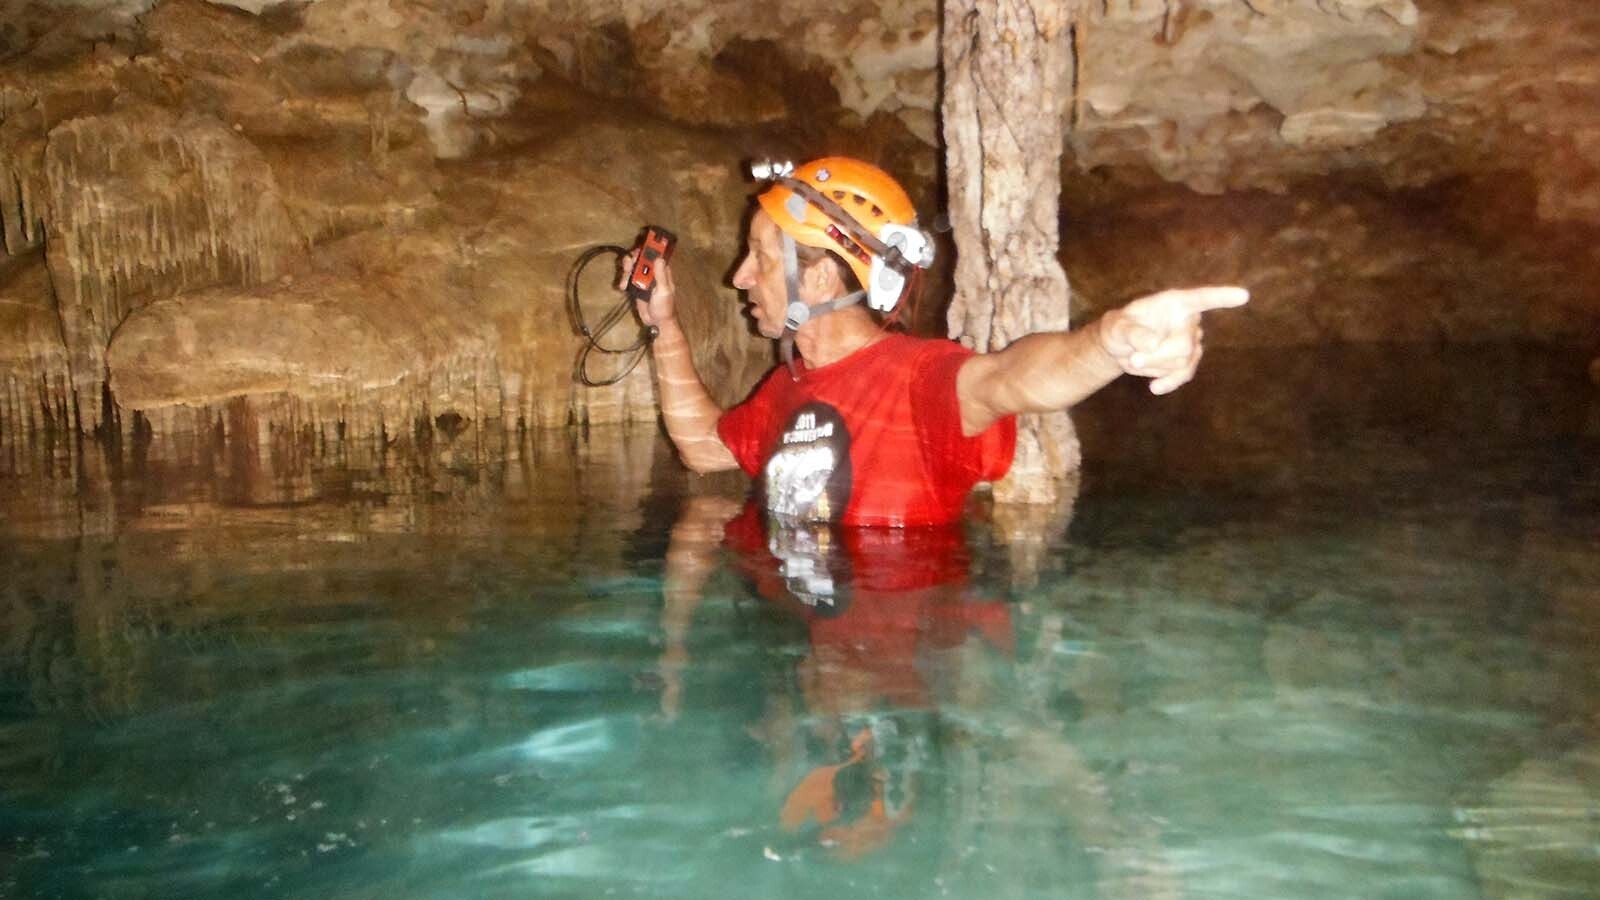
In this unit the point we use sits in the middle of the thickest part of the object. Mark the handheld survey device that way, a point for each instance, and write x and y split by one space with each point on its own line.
654 247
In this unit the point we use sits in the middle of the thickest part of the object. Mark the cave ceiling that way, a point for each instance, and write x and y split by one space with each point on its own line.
1214 94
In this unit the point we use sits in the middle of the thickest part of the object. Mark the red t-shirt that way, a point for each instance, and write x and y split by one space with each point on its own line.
873 439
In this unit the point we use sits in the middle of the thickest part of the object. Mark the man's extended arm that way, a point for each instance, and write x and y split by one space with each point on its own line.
1157 337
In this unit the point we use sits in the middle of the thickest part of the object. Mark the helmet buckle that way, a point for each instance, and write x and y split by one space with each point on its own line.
795 315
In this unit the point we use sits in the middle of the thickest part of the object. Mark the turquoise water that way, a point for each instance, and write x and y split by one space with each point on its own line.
1321 626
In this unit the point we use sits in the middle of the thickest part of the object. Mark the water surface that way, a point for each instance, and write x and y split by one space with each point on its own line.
1319 625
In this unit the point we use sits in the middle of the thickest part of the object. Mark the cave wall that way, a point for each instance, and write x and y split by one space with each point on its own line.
239 210
1375 170
363 212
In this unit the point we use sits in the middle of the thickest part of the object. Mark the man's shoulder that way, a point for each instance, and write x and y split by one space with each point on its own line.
925 348
933 357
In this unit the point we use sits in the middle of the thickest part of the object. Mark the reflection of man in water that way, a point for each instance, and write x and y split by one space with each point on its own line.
882 608
805 560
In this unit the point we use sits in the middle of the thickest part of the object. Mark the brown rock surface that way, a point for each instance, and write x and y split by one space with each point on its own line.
248 211
33 361
466 310
1374 170
1338 260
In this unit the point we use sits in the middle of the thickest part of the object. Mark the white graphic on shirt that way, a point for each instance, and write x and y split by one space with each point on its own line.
797 480
808 475
808 483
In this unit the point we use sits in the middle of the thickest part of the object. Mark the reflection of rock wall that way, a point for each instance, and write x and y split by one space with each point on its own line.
221 530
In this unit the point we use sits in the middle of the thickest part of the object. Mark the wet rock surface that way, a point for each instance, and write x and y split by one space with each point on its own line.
300 244
1340 260
395 191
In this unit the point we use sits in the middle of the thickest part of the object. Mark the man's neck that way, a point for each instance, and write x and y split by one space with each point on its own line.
830 338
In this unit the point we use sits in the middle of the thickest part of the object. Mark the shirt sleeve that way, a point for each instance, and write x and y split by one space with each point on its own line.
963 460
747 427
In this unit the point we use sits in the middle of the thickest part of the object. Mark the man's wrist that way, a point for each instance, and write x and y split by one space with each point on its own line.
1101 357
669 332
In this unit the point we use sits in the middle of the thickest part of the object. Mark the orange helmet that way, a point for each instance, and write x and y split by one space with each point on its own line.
870 219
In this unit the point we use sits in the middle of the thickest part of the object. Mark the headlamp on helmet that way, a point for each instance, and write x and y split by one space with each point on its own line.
767 169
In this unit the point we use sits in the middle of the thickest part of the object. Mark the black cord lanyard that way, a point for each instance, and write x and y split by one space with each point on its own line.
580 368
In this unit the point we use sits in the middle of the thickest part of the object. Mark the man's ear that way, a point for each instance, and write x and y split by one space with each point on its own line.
822 277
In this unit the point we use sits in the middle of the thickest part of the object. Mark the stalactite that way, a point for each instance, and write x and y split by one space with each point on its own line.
21 143
35 427
12 217
203 210
26 424
10 422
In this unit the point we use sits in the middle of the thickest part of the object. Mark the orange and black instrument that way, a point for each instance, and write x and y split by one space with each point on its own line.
655 246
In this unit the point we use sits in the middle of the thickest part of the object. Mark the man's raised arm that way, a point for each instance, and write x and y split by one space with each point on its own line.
1156 337
687 407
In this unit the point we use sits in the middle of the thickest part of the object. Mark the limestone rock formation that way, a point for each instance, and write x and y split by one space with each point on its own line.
1389 171
1339 260
304 234
464 312
1008 282
33 362
1374 169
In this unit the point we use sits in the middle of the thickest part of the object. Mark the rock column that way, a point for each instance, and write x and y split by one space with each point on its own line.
1007 80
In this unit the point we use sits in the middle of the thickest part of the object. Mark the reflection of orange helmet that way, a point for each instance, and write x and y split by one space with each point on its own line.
867 193
855 832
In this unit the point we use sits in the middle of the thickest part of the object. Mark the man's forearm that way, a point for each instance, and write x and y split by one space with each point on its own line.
1038 373
687 408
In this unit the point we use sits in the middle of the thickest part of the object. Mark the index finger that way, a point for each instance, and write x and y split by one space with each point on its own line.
1197 300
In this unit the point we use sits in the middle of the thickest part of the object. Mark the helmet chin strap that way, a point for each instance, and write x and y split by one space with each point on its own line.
798 312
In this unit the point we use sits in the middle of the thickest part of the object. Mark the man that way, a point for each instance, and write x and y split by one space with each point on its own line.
868 426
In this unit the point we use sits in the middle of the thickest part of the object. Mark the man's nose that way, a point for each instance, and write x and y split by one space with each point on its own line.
743 278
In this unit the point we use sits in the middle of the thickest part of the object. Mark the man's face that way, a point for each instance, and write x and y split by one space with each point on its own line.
760 275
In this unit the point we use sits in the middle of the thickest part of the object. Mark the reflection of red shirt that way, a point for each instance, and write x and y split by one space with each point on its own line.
893 592
873 439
